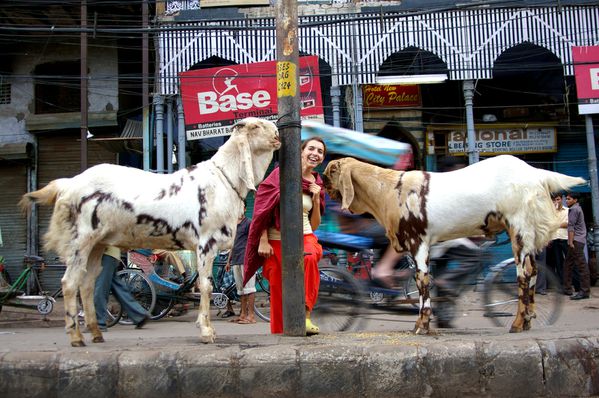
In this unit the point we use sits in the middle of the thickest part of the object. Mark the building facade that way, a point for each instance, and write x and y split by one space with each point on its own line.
41 113
509 70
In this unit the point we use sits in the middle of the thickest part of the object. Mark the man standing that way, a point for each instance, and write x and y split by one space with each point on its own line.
246 293
559 244
577 234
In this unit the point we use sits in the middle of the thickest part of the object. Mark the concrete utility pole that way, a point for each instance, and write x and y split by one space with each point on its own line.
593 177
292 243
83 65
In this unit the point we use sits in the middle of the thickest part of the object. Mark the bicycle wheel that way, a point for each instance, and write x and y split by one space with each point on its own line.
141 289
261 282
340 301
162 307
114 311
501 296
410 290
262 305
262 297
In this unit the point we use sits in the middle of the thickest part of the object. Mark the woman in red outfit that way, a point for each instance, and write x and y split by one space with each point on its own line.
264 240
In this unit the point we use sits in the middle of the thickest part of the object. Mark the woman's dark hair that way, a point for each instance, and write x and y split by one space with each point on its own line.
305 142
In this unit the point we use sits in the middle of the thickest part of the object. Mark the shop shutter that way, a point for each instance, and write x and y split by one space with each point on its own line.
58 157
572 159
13 180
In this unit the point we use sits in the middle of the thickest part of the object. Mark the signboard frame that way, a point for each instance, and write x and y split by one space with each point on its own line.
497 139
214 99
586 72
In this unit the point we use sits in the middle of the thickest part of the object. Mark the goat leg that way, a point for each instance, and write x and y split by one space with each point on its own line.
424 316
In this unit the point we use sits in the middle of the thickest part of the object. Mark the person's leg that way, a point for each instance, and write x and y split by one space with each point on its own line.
134 310
541 283
249 291
243 314
568 265
273 273
102 288
383 271
229 311
560 247
311 278
311 273
251 299
583 270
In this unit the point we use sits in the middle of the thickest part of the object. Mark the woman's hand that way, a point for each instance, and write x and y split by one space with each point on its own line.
265 249
315 191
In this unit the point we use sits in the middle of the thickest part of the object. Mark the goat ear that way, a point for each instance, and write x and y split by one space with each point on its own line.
247 171
347 187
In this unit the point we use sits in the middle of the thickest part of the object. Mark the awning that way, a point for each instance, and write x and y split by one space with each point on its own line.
16 151
130 140
370 148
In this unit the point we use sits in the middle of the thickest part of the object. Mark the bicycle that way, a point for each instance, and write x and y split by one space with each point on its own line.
143 291
26 291
171 289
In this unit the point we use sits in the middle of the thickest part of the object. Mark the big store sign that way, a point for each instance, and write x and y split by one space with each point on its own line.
214 99
586 71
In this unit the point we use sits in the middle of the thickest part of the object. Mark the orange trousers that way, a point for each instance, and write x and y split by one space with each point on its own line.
273 272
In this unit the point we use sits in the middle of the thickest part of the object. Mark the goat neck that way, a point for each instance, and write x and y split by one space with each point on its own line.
374 192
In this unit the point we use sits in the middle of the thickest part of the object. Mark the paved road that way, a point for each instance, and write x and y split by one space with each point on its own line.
25 330
166 359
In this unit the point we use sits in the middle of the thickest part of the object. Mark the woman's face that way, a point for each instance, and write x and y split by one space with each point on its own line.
313 154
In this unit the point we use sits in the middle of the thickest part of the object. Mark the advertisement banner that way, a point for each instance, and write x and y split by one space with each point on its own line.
506 140
214 99
586 71
391 96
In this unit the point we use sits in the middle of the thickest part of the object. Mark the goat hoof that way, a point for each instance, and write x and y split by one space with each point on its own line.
207 339
515 329
207 335
420 331
77 344
98 339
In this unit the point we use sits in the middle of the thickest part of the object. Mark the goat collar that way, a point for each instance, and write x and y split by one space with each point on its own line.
239 195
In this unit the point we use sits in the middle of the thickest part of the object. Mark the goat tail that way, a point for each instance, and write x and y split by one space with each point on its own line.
556 182
45 196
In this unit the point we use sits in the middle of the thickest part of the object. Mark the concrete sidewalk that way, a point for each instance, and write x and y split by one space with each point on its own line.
167 360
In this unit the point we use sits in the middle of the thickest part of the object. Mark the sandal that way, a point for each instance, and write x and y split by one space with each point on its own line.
311 329
227 314
245 322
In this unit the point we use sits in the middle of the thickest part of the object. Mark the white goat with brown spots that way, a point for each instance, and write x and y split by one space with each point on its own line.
420 208
195 209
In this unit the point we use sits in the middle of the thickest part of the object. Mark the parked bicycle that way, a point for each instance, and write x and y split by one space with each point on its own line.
168 287
26 291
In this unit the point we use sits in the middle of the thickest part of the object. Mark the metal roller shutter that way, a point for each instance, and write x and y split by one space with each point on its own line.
572 159
58 157
13 180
